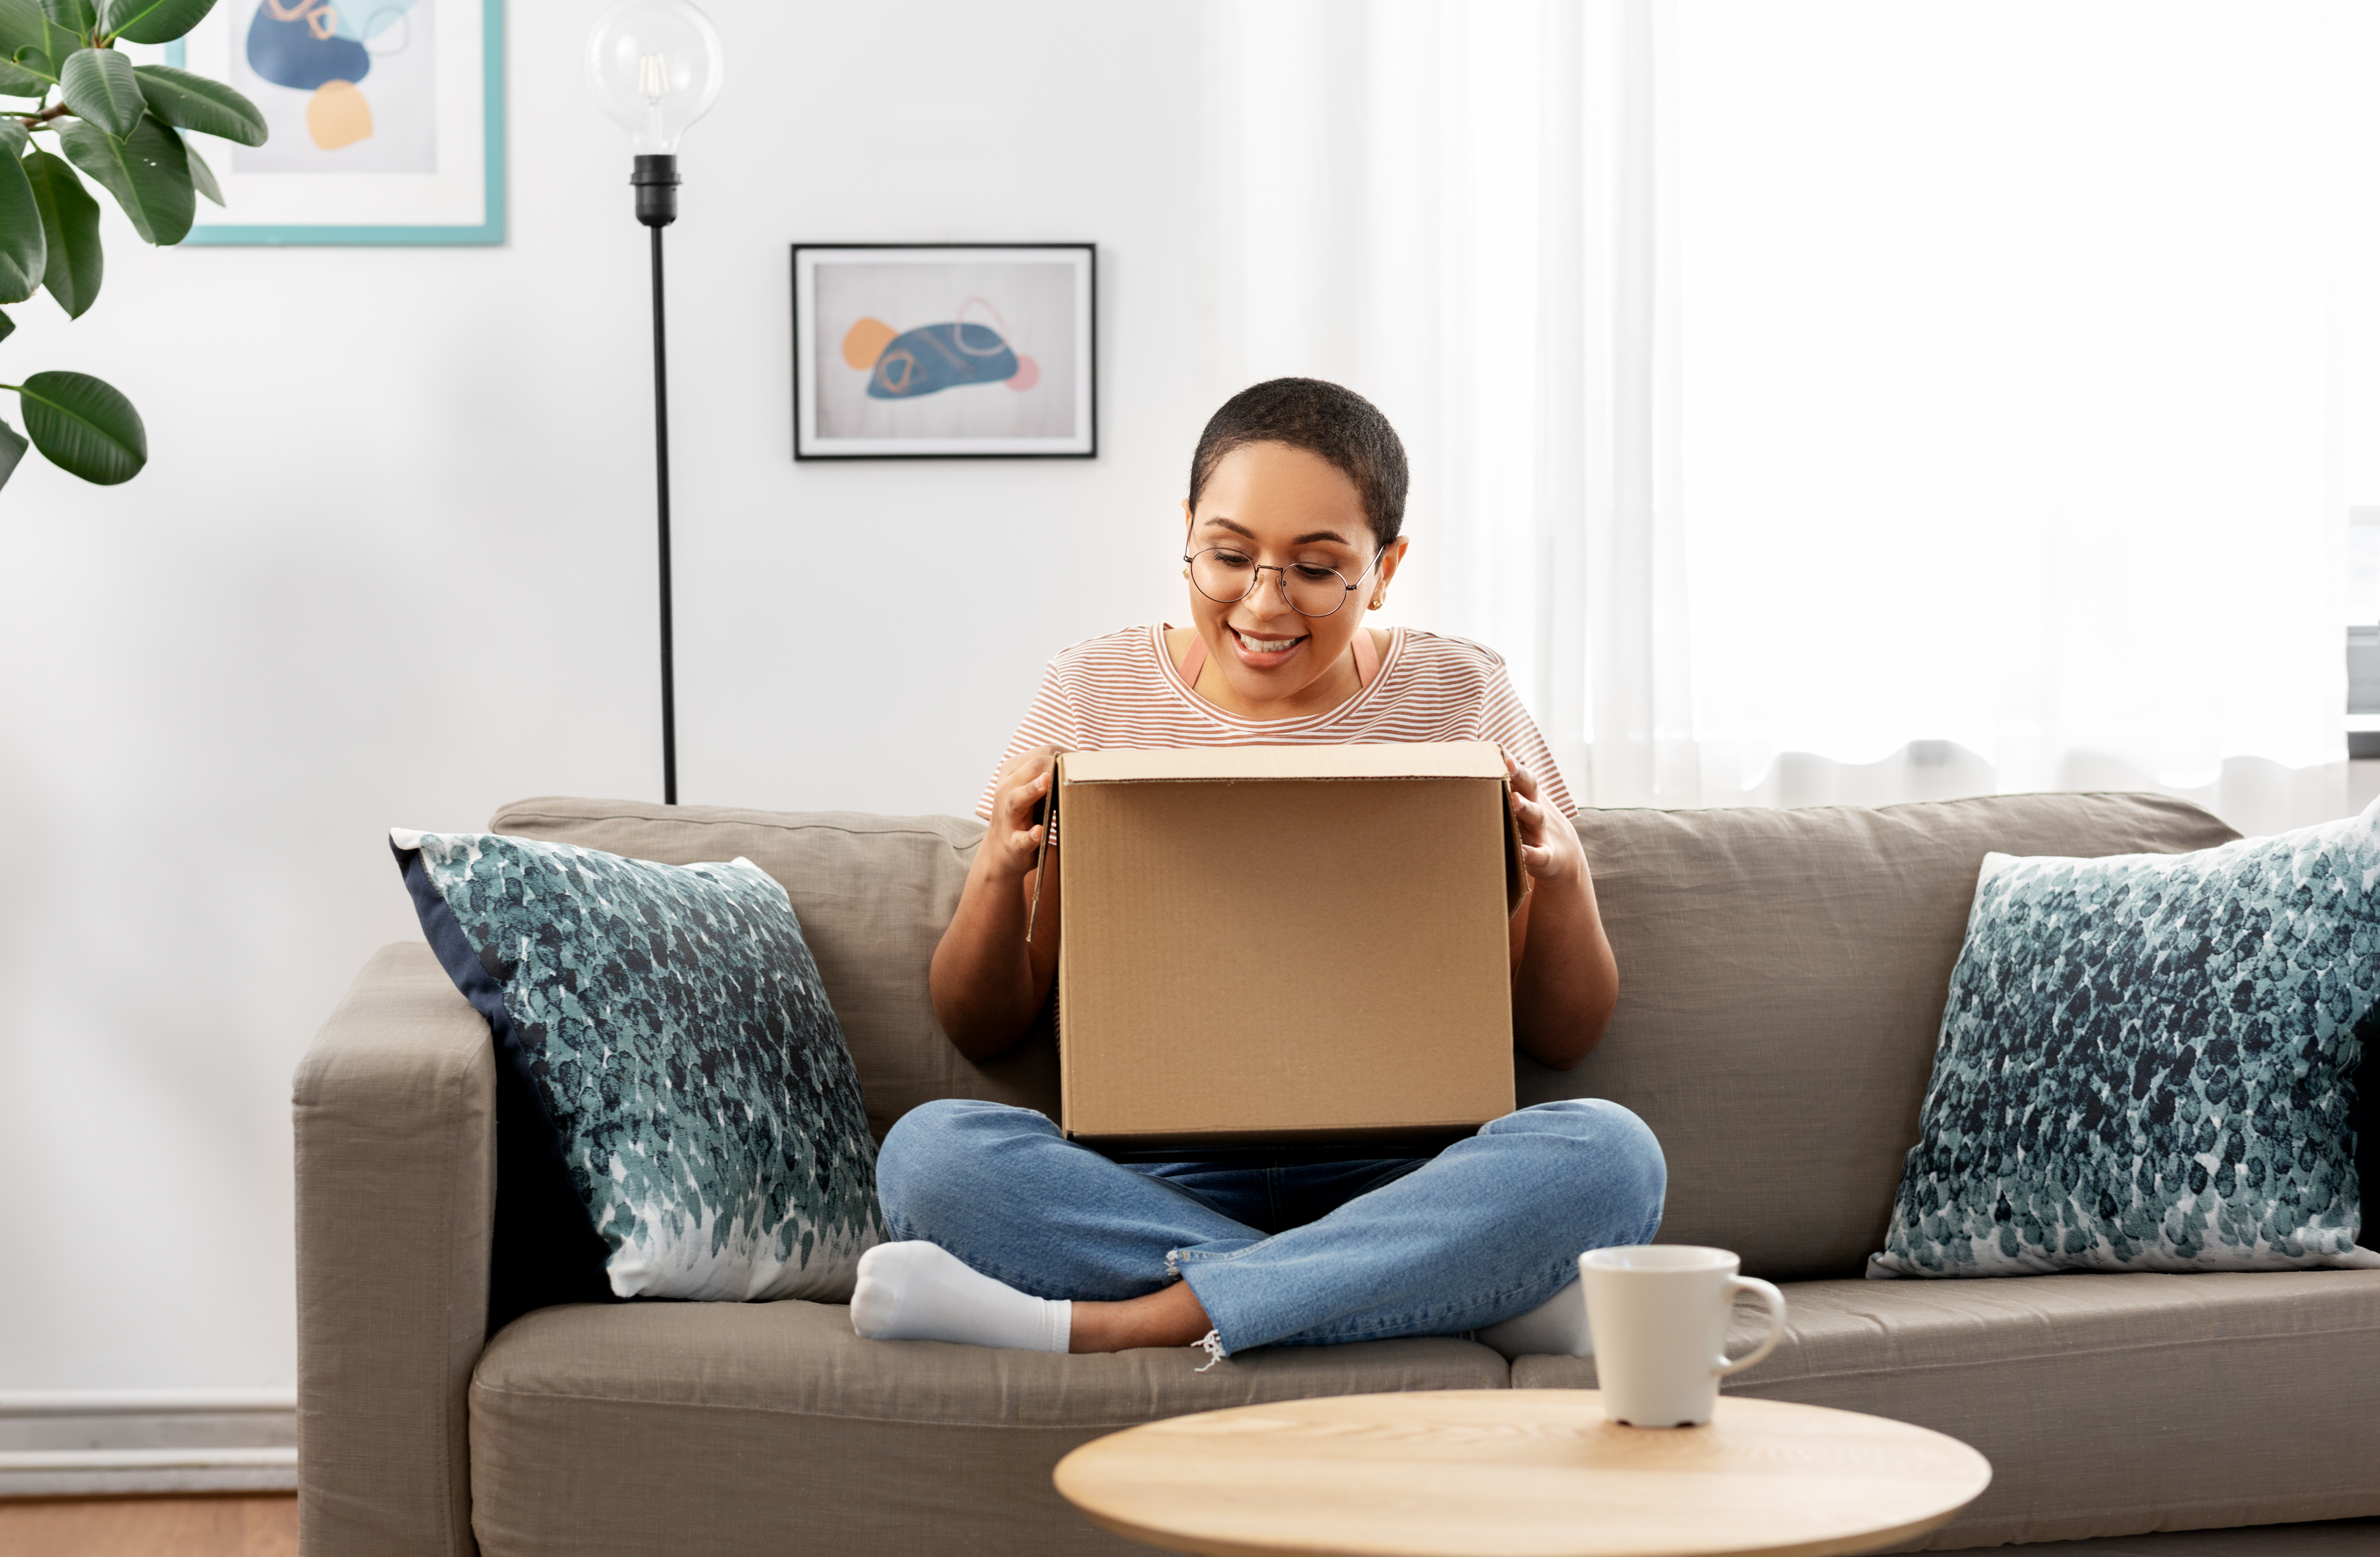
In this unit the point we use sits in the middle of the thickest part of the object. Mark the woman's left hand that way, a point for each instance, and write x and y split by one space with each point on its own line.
1565 981
1549 845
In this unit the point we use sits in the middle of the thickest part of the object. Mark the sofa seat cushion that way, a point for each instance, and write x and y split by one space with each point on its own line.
770 1427
2109 1404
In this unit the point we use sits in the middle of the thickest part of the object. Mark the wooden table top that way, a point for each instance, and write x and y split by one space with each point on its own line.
1521 1473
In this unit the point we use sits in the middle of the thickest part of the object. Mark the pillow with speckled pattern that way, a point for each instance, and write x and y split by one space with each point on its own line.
674 1100
2149 1063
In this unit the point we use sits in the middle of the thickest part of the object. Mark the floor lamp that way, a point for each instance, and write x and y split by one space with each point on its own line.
656 66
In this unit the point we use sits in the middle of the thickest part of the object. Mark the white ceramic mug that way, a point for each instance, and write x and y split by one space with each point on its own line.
1659 1314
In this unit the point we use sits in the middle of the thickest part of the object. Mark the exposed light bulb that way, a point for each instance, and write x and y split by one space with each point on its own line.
656 66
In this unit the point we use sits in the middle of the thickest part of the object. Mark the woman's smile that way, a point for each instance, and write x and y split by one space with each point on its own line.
1264 652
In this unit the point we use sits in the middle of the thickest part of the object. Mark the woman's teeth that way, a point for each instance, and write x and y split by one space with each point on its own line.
1256 645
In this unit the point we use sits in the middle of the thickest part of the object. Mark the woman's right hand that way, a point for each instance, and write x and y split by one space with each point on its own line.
1013 843
992 975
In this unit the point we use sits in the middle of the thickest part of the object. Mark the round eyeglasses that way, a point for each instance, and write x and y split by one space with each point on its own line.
1227 577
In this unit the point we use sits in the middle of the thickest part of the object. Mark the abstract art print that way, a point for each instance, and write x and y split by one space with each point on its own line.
386 118
944 351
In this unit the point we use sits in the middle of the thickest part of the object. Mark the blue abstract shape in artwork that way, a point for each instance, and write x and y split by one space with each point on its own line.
288 53
937 357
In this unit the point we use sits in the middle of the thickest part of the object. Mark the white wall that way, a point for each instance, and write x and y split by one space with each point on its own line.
391 563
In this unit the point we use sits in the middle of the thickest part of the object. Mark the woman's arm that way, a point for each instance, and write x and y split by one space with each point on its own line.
1565 981
988 984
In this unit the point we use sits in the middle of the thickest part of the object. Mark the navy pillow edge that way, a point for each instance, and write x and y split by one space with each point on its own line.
545 1249
2360 1119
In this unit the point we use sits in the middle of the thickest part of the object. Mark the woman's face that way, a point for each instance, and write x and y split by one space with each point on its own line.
1287 508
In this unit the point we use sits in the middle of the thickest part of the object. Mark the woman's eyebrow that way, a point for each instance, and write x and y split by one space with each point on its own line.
1306 540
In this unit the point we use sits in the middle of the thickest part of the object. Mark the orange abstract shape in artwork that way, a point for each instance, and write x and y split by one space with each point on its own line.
866 341
337 116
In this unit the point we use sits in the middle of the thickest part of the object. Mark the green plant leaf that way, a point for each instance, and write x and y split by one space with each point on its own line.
22 26
84 427
20 83
8 327
203 178
78 17
188 101
155 21
36 66
148 175
70 226
13 137
101 86
12 449
23 251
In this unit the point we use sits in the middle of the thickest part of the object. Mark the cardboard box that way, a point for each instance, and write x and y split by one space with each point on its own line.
1302 946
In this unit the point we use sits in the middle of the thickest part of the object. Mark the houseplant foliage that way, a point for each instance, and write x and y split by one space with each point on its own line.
126 128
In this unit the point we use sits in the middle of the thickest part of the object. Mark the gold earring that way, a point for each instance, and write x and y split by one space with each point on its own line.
1378 601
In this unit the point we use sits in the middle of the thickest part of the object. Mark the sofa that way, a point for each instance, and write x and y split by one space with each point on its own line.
1782 979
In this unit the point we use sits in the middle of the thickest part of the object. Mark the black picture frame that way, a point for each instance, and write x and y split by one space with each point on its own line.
838 417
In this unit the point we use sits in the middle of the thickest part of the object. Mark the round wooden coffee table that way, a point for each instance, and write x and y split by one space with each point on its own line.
1521 1473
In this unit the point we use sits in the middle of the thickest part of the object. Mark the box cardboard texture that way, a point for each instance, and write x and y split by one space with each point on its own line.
1285 946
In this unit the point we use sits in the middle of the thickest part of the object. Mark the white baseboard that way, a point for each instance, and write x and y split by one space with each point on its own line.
97 1442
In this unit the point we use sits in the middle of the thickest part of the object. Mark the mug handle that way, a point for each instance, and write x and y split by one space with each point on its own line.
1775 1301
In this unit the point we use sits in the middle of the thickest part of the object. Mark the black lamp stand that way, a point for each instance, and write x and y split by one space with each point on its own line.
656 185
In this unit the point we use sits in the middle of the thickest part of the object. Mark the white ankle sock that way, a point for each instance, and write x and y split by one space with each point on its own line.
1556 1327
917 1292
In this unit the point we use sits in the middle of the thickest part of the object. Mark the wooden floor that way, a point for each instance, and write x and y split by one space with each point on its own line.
226 1526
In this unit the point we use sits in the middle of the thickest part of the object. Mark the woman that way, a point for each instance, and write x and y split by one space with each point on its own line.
1010 1235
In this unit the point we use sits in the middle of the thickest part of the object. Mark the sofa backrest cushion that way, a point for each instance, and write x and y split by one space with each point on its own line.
1782 975
873 895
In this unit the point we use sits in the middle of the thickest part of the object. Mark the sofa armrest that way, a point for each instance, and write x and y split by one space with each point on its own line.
395 1113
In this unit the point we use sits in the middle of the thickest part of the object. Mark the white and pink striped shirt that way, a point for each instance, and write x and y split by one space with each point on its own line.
1122 692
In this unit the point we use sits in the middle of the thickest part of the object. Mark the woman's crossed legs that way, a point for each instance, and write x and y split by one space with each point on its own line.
1486 1231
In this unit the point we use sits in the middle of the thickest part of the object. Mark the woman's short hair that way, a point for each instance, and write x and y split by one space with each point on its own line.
1322 419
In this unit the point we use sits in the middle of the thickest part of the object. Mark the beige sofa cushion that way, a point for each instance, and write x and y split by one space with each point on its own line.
1781 982
873 894
728 1427
2109 1404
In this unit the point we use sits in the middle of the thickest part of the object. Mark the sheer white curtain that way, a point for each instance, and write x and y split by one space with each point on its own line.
1842 401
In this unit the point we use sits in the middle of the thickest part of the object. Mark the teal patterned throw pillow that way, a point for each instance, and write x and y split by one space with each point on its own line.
668 1070
2149 1063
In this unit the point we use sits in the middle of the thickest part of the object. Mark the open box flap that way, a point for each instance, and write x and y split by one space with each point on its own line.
1420 760
1516 876
1479 759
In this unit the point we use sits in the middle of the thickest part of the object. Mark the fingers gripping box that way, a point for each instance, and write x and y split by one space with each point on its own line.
1284 945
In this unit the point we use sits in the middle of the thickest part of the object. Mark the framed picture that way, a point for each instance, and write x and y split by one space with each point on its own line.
387 120
945 351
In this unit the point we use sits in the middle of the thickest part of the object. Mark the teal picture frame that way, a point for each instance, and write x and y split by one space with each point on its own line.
491 231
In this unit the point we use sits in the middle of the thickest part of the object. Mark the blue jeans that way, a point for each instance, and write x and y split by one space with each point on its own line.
1286 1253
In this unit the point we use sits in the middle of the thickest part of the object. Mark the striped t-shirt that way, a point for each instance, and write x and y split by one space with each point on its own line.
1121 691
